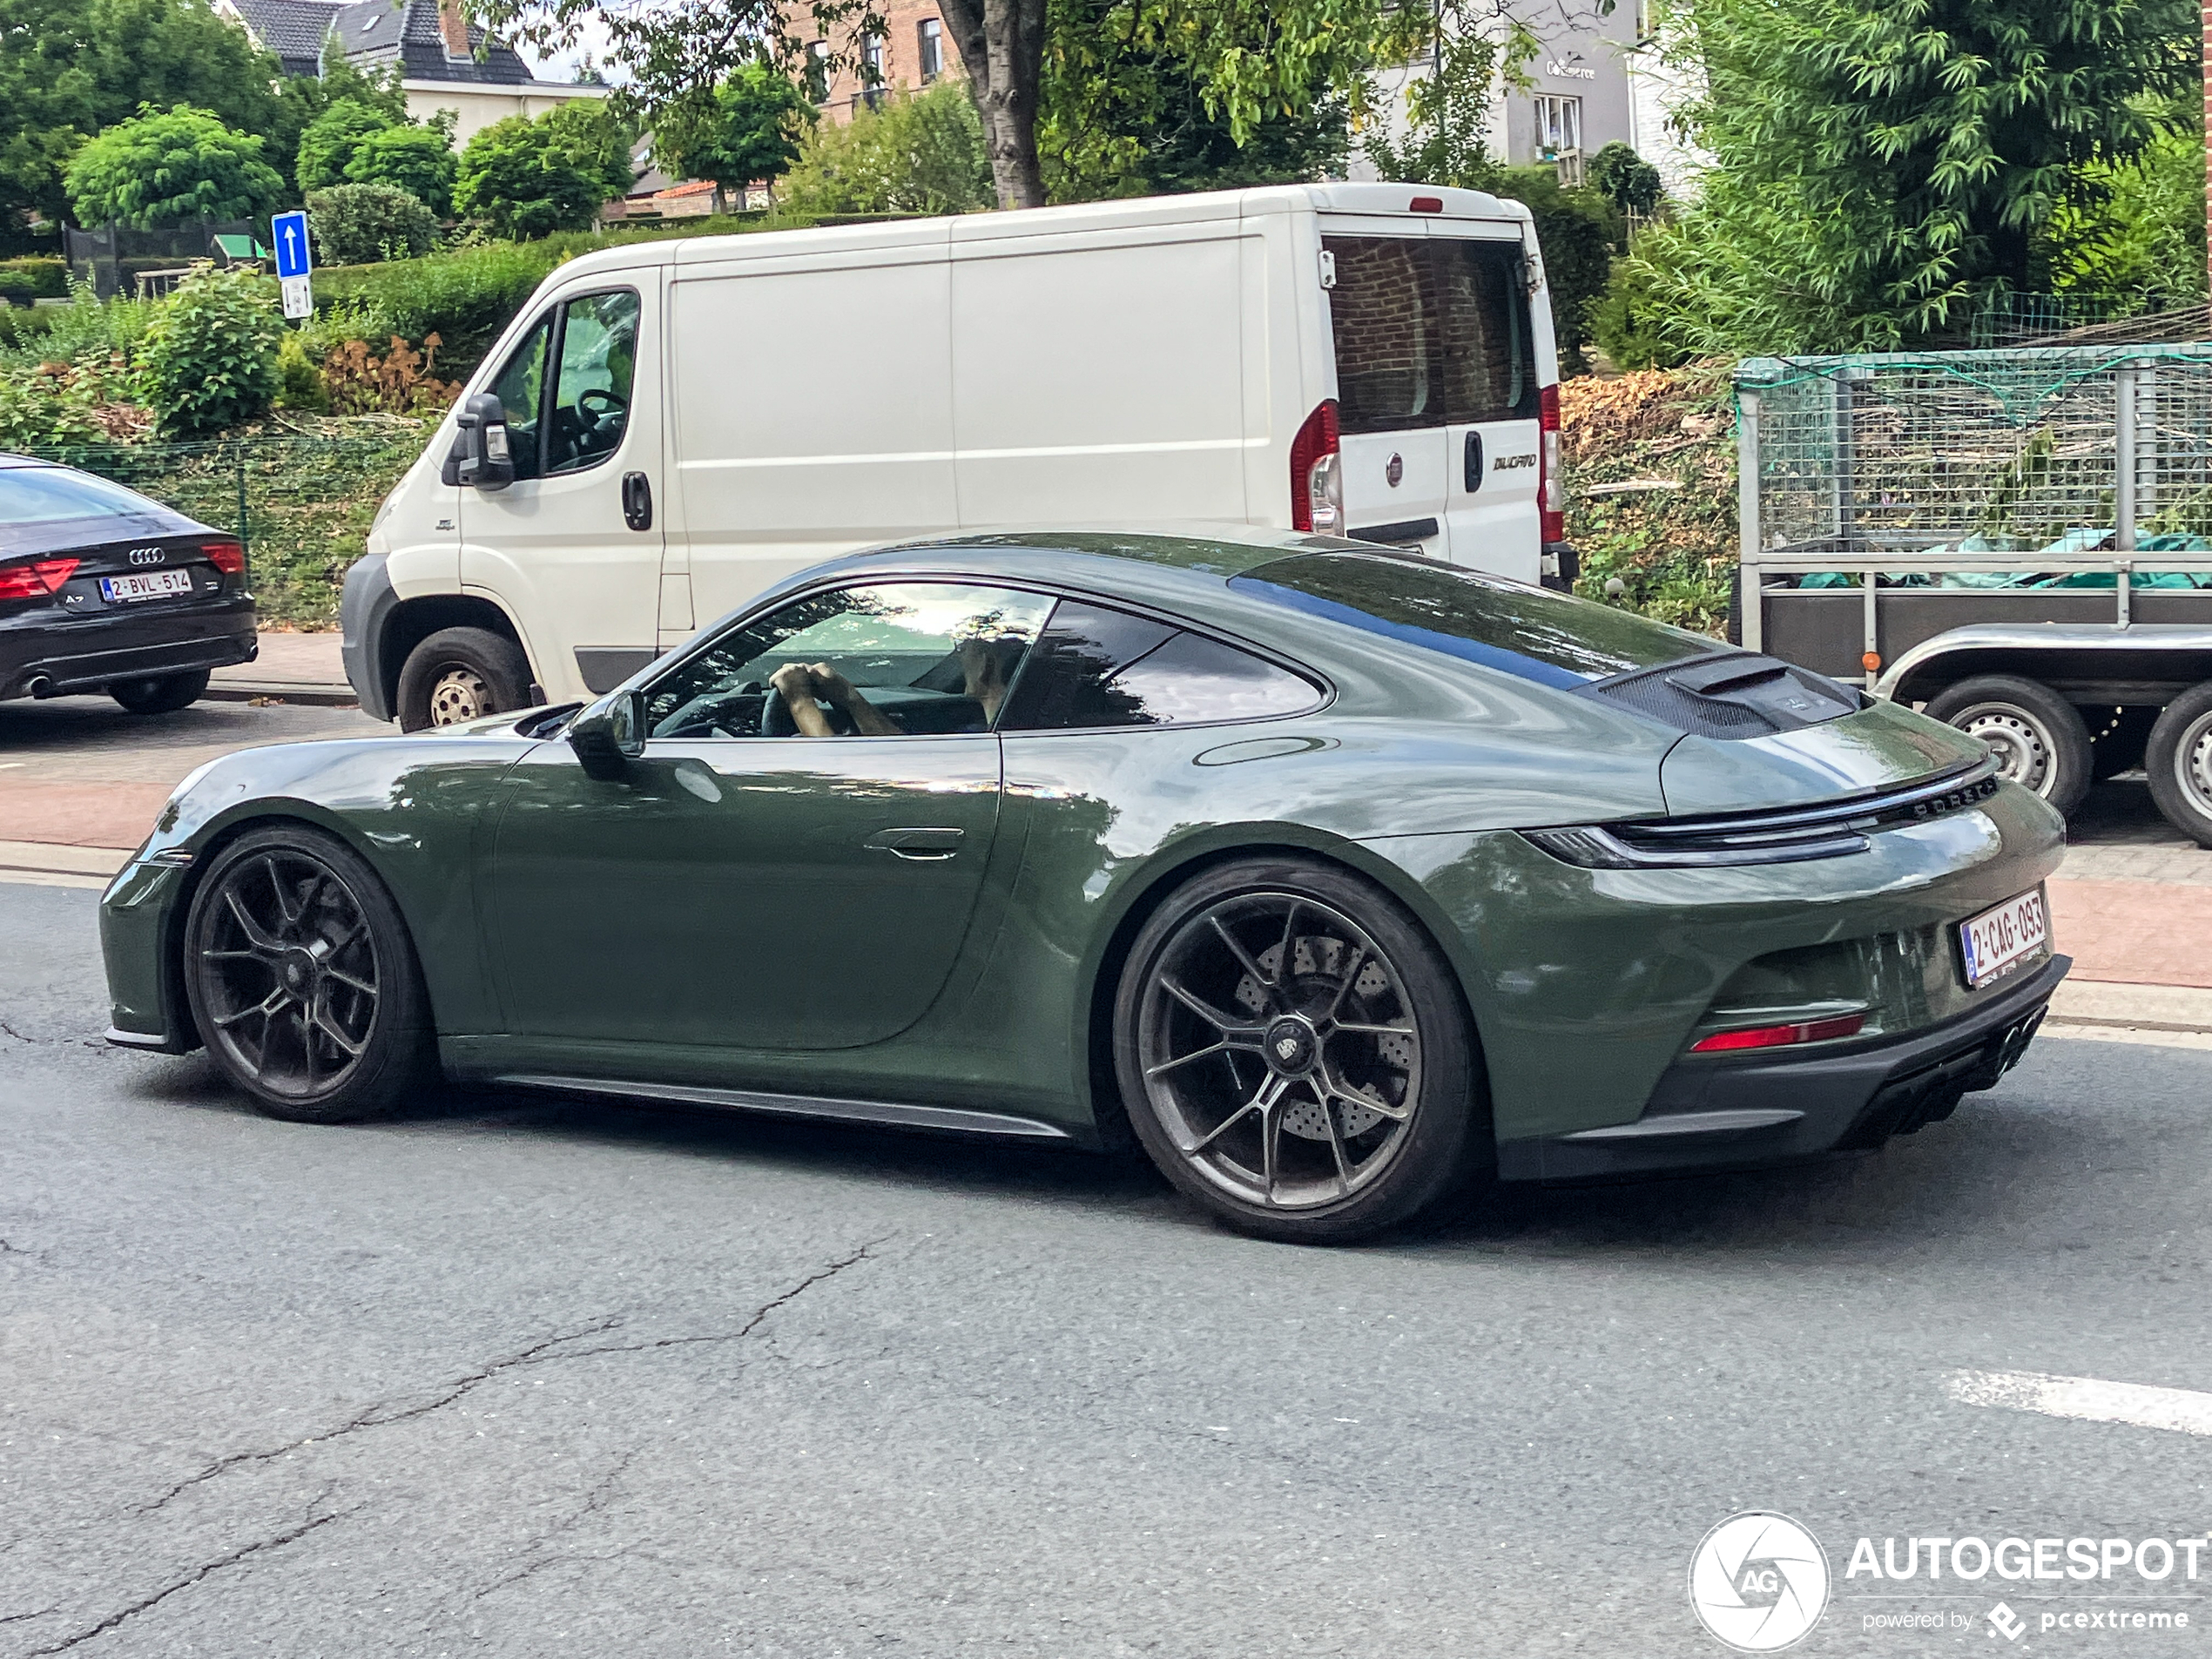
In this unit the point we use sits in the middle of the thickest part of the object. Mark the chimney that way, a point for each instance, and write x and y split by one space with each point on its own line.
453 28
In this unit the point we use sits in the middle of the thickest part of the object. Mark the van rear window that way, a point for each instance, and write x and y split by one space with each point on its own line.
1430 331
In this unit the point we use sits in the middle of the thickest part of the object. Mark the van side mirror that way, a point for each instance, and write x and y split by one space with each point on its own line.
482 456
610 734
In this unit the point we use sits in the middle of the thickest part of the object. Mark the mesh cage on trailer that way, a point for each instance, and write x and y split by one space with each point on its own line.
1978 452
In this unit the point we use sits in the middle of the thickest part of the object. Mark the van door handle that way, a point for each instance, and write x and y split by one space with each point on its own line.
637 502
930 843
1474 461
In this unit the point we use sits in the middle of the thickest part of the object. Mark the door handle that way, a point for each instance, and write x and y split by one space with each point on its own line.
636 500
1473 462
921 844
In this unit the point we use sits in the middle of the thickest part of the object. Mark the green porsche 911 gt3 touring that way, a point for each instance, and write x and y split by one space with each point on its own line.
1337 878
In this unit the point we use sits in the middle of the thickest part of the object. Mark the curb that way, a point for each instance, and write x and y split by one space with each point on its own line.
320 694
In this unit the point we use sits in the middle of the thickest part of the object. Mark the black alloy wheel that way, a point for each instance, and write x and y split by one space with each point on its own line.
1293 1053
302 981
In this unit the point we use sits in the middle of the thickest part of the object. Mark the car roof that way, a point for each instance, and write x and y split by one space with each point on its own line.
1187 557
7 460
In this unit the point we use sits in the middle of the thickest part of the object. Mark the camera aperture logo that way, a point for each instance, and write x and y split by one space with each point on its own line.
1758 1581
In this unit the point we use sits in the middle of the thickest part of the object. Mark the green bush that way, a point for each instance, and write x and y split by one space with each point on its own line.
419 161
1578 231
17 288
84 329
356 224
916 154
300 382
519 178
328 143
163 169
1629 321
45 278
47 405
209 360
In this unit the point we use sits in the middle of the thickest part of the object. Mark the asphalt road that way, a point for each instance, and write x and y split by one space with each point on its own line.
531 1377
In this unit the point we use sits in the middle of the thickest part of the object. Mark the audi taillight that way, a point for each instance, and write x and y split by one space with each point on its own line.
1551 475
229 557
1317 474
1781 1036
36 578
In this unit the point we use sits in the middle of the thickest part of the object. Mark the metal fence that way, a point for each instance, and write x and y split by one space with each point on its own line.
2068 450
301 506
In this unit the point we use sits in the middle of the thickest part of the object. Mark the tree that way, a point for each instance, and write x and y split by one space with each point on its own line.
595 140
164 168
303 98
912 154
1880 167
748 129
418 160
70 67
329 143
518 179
1626 179
360 224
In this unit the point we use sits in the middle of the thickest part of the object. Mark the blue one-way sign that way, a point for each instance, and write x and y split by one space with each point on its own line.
291 232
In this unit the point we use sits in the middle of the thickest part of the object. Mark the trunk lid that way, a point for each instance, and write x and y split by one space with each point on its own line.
1880 746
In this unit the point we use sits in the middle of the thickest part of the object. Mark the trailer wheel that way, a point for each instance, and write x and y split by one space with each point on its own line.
2036 736
2178 758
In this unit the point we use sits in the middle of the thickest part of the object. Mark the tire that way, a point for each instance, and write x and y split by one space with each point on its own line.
459 674
2178 758
1286 1066
311 1031
161 694
2036 736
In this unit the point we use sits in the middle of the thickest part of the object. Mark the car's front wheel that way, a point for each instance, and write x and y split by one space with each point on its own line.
1293 1053
302 980
460 674
160 694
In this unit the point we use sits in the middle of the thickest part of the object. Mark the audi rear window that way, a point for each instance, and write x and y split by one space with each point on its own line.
46 495
1531 632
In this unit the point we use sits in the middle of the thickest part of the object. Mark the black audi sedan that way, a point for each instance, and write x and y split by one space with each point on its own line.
102 589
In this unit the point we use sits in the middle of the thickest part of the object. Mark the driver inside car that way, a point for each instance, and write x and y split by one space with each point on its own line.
805 687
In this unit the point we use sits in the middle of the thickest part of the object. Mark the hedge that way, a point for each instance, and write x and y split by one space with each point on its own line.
34 278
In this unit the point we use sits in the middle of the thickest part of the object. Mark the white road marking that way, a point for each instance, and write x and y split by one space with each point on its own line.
2183 1410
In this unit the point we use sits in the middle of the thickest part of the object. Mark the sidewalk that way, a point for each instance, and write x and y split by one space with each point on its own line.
299 668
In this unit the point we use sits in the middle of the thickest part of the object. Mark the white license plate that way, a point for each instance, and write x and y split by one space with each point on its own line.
1998 941
152 584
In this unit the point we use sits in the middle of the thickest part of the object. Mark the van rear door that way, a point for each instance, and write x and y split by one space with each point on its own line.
1437 397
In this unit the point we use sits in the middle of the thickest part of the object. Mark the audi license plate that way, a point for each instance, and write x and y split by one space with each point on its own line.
150 584
2002 941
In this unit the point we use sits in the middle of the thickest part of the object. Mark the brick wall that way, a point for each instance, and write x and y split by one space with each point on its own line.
901 53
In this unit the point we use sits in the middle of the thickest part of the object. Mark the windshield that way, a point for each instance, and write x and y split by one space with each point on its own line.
45 495
1540 636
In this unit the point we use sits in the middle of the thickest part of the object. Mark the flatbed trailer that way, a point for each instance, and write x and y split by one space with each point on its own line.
2019 543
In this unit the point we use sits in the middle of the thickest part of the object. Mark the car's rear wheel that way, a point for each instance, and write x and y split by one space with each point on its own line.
160 694
460 674
2038 737
1293 1053
302 980
2178 760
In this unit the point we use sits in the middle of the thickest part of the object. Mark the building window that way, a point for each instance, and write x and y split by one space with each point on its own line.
1559 124
931 35
818 74
871 70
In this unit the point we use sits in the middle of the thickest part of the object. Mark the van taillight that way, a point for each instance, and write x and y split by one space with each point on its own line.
1551 475
1317 478
1426 204
226 557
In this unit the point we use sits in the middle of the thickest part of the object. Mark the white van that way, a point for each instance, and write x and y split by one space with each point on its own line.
670 427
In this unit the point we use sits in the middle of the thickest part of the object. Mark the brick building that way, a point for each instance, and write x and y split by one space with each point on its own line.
914 50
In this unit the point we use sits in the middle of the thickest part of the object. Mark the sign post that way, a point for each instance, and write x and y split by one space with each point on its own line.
294 261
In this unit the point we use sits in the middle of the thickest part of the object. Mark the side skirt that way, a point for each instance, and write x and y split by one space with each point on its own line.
891 1114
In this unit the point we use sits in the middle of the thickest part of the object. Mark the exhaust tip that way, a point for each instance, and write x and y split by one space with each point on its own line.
40 685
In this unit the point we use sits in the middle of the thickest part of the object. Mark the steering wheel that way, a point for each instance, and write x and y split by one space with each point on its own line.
776 721
612 400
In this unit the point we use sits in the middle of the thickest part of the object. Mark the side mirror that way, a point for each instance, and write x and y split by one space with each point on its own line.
481 455
609 735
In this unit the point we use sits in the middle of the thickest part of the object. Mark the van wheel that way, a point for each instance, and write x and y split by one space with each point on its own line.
2036 736
162 694
460 674
2178 758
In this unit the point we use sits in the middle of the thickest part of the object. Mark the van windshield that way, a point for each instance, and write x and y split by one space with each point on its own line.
1430 331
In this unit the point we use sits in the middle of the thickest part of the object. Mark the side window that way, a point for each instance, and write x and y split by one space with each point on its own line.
896 659
591 395
520 389
1096 667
